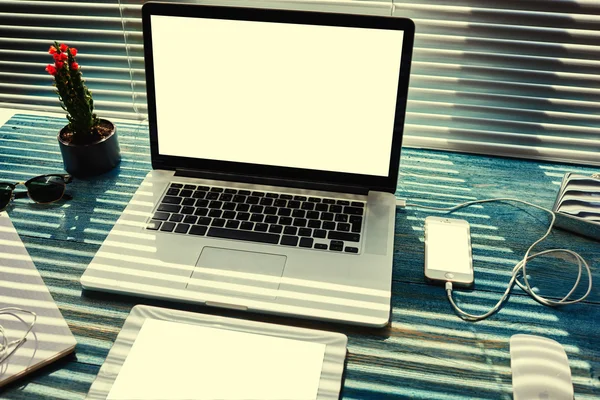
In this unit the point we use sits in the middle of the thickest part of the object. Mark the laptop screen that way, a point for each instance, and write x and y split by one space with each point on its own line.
279 94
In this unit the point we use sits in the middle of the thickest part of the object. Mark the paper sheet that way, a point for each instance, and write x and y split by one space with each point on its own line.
177 361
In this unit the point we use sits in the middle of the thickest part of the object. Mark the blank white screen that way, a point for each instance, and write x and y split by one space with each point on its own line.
315 97
448 248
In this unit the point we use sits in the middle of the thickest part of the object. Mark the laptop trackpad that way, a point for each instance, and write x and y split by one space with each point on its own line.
237 273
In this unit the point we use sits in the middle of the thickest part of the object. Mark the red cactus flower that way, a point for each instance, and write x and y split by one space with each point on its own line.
59 64
51 70
64 57
56 56
52 50
63 47
73 51
74 66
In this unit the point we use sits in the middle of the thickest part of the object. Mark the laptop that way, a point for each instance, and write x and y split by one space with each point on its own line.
275 144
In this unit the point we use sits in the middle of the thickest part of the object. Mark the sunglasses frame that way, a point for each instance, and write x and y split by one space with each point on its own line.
67 178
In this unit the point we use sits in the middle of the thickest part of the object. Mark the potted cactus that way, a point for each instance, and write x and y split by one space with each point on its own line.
88 144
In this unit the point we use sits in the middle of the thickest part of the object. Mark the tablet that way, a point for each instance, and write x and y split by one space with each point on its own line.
170 354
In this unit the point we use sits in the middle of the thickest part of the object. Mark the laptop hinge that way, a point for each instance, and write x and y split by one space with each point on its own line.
328 187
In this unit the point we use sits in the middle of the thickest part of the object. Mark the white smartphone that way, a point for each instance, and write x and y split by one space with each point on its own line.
448 255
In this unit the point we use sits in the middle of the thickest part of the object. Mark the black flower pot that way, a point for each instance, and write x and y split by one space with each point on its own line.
91 159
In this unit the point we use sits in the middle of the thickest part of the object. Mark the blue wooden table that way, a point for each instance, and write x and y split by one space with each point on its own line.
426 352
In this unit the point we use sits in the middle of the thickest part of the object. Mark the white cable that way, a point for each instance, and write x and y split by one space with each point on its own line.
520 267
5 345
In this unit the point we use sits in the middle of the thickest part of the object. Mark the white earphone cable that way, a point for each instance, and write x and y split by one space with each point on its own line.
5 345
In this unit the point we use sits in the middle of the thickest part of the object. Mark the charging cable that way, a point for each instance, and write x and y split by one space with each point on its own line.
520 267
8 348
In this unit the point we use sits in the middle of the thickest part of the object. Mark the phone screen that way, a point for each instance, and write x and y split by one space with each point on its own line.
448 247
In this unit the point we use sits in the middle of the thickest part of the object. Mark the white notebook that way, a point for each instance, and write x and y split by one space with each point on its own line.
22 286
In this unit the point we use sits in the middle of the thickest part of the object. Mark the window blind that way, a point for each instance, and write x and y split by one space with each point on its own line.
512 77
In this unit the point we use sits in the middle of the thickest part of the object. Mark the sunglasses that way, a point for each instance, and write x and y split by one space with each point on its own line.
41 189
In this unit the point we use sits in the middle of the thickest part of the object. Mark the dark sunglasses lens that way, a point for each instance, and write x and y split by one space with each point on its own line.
46 189
5 194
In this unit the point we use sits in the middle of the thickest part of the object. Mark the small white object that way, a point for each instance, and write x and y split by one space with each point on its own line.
540 369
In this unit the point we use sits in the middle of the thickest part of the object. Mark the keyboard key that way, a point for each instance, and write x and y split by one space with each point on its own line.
176 185
328 201
167 226
190 219
300 222
321 207
275 228
289 240
217 190
226 197
272 195
257 218
228 214
293 204
284 212
351 249
358 204
176 217
328 225
355 219
244 192
335 208
247 226
336 245
270 210
326 216
298 213
343 202
313 223
265 201
204 188
188 210
300 198
261 237
215 204
190 187
290 230
153 225
212 196
228 206
286 196
252 200
258 194
232 223
307 205
305 232
182 228
257 209
320 246
204 221
242 207
306 242
201 203
171 200
173 192
198 230
230 191
242 216
314 199
186 193
239 199
341 217
320 233
344 227
215 213
261 227
199 194
347 236
285 221
188 201
201 212
220 222
279 203
161 216
312 215
353 210
271 219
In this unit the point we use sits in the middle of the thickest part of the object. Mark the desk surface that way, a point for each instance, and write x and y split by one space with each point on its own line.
425 352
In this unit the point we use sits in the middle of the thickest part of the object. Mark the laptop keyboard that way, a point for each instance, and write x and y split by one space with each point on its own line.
266 217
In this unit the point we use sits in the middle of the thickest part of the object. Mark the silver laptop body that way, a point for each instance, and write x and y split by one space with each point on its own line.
275 144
